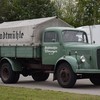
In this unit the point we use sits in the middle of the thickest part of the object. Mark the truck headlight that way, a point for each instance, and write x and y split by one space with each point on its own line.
82 58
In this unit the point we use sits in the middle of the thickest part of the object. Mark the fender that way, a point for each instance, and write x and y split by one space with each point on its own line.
16 66
69 59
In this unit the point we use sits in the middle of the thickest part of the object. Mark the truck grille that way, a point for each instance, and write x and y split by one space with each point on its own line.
98 58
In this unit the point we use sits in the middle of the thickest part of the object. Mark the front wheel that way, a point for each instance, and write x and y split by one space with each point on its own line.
65 76
40 76
95 79
7 74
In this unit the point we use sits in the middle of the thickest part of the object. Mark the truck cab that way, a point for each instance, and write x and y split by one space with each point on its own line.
55 41
68 50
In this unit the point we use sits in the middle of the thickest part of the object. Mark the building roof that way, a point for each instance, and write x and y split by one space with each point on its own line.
33 22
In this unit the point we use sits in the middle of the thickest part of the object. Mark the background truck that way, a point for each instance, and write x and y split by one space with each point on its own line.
93 33
35 50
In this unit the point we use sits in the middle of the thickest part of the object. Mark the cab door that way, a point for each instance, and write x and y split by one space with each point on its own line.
51 48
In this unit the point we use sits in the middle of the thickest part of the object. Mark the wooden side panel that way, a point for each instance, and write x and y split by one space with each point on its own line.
20 51
7 51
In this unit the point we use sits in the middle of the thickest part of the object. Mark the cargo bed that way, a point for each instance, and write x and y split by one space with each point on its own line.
20 51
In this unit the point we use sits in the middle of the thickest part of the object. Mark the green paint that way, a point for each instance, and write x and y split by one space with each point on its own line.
51 52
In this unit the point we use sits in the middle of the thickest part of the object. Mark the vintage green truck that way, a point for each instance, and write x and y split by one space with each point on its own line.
63 51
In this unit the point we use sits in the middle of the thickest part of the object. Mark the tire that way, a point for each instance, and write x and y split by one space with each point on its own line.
65 76
7 74
95 79
40 76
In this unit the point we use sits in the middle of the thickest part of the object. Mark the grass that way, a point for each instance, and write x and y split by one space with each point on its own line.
12 93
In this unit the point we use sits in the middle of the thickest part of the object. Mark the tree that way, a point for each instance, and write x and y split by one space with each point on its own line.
66 10
79 12
70 12
25 9
4 10
88 12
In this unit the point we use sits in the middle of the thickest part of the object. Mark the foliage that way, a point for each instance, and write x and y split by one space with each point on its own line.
12 93
74 12
79 12
25 9
66 10
88 12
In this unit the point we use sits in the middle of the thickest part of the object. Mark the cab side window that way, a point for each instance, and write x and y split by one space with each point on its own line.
50 36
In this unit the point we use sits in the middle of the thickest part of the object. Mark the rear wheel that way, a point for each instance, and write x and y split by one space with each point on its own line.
7 74
65 76
40 76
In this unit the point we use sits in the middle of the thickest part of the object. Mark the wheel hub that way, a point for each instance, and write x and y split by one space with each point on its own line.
64 75
5 73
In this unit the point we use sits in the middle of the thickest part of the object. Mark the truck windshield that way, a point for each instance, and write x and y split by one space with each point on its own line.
74 36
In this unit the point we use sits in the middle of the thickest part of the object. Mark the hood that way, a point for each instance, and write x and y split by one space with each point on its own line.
80 48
